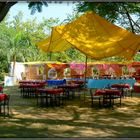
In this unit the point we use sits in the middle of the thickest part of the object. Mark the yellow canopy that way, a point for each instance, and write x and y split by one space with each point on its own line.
94 36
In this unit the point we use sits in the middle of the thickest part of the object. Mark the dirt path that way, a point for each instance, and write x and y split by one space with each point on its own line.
76 119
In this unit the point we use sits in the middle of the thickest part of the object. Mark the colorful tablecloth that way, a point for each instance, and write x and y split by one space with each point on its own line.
56 82
105 83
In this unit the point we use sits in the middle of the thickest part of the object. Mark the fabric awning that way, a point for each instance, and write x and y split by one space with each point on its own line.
94 36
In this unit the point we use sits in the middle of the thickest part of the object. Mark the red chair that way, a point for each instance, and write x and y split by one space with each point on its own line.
4 104
125 89
96 96
137 88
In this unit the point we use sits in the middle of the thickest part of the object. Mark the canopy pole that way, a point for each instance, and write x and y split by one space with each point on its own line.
85 79
85 71
50 55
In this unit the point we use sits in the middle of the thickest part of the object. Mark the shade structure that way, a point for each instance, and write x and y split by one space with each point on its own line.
94 36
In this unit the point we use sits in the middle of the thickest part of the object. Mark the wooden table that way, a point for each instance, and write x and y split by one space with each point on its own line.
108 94
51 97
70 89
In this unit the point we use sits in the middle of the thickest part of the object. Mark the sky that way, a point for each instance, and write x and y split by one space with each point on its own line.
54 10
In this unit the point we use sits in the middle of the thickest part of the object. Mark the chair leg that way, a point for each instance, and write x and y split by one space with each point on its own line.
120 101
131 93
37 100
8 108
99 102
0 108
113 101
4 104
8 105
91 101
91 98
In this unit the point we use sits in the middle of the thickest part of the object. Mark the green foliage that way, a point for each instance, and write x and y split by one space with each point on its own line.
37 6
18 40
75 55
4 66
71 17
95 71
125 70
137 57
125 14
106 10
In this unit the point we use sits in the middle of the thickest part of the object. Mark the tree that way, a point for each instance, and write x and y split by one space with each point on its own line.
4 8
71 17
125 14
15 46
13 40
34 6
18 38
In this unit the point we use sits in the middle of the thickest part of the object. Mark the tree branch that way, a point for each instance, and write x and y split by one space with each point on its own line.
129 18
135 23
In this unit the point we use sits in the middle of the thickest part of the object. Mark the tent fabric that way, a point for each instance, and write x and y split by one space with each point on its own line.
94 36
54 43
77 66
58 66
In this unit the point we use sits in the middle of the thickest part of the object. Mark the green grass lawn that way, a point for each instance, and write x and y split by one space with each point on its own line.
76 119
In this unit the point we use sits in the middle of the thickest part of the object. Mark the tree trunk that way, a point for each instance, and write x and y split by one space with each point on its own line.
4 8
14 64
